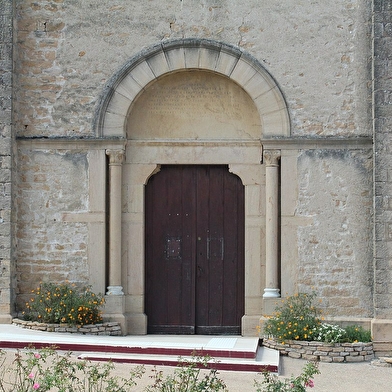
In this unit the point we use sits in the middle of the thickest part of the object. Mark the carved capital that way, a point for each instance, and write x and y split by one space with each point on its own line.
116 157
271 157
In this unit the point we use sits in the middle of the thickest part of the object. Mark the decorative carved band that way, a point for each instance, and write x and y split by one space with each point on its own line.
116 157
272 157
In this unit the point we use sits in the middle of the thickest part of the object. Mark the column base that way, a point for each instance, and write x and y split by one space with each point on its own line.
271 293
115 290
114 310
5 319
136 323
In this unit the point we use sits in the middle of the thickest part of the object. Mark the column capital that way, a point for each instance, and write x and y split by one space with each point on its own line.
116 157
272 157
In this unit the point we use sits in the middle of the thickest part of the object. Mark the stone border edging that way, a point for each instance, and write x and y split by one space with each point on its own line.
106 328
323 352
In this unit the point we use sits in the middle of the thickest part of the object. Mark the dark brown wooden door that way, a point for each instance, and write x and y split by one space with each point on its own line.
194 250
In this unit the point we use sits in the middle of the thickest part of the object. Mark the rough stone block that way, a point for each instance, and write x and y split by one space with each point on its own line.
358 358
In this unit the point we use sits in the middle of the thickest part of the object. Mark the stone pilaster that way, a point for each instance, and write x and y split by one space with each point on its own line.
382 71
272 159
6 156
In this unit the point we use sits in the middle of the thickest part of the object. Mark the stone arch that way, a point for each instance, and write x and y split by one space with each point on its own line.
143 156
190 54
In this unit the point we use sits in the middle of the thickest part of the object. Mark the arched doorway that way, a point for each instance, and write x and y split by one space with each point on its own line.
194 250
189 102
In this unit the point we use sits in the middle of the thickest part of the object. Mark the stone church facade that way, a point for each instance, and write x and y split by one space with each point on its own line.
99 99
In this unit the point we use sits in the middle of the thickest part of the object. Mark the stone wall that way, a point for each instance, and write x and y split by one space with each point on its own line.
105 328
51 183
318 54
323 352
66 54
335 251
383 162
6 145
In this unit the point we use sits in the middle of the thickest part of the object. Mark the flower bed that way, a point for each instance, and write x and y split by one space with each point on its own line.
107 328
323 352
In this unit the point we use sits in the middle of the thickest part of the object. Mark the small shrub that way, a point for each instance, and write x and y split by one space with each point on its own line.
295 319
272 383
188 378
354 334
63 303
328 333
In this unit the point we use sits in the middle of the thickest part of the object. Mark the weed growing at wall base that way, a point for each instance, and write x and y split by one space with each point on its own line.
64 303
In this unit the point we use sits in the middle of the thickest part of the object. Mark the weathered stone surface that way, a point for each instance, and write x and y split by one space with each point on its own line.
68 55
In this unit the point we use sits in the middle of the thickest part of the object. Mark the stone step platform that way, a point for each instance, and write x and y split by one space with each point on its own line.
234 353
265 359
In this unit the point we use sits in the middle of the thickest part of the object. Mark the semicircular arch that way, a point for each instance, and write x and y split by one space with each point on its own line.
191 54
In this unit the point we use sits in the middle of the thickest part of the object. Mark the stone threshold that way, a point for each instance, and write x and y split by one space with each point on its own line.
106 328
323 352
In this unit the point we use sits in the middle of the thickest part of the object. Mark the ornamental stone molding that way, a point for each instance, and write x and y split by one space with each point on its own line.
116 157
272 157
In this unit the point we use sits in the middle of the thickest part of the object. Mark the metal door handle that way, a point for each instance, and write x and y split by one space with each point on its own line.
199 271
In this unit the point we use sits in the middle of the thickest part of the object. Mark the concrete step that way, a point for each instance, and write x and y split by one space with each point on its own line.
235 353
265 359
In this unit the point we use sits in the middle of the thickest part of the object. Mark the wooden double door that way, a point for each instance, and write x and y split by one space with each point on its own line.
194 250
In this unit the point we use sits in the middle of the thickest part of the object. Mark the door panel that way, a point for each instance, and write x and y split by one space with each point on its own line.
194 250
169 258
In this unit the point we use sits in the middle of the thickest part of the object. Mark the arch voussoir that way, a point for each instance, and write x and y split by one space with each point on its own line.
186 54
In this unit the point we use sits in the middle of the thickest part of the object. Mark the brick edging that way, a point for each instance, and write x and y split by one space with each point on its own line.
107 328
323 352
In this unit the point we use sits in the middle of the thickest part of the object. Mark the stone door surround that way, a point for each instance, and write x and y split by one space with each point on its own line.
144 157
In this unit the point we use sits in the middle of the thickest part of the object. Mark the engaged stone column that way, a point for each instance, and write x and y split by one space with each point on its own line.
115 180
272 158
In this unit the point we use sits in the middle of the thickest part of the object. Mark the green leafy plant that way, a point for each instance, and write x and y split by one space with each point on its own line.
272 383
355 333
46 370
295 319
330 333
188 378
64 303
